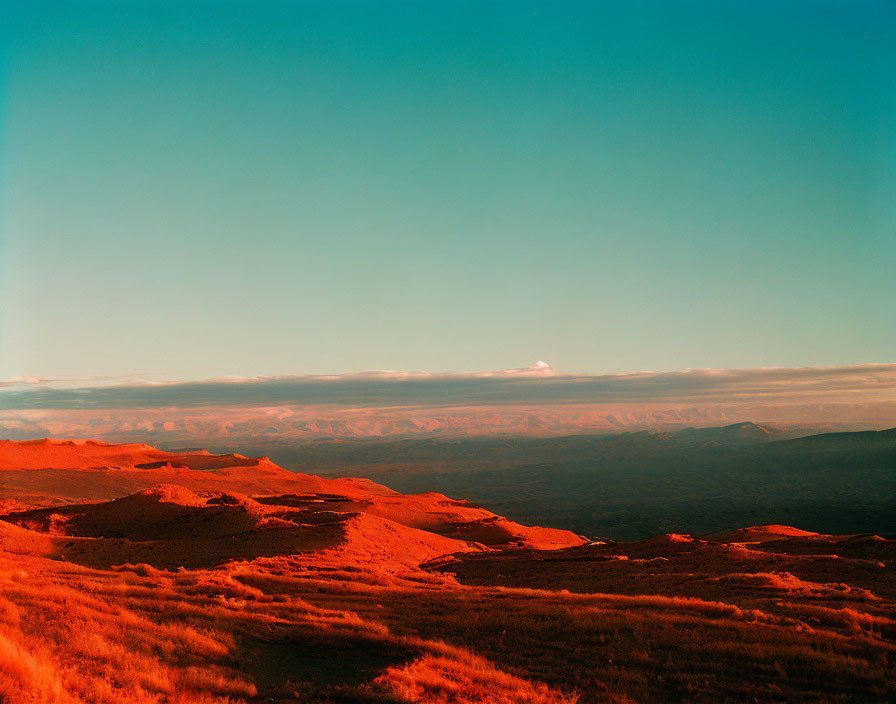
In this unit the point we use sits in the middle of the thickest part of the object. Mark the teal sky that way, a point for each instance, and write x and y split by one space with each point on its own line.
200 189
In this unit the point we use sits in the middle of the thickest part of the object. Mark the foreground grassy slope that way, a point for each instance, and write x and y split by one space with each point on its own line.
321 629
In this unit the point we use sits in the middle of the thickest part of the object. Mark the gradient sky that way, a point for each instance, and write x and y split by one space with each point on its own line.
199 189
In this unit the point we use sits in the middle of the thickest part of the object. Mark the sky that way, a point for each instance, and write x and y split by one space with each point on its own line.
198 189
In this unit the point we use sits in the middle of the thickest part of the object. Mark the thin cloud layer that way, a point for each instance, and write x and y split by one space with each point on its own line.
536 385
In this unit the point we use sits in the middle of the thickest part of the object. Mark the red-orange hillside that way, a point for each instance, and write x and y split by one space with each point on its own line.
53 473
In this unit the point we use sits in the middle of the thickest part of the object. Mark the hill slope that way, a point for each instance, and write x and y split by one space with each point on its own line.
59 472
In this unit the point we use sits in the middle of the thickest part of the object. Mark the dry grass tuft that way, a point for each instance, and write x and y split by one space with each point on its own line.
463 678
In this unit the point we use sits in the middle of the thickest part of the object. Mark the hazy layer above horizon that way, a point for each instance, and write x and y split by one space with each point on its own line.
527 401
527 386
